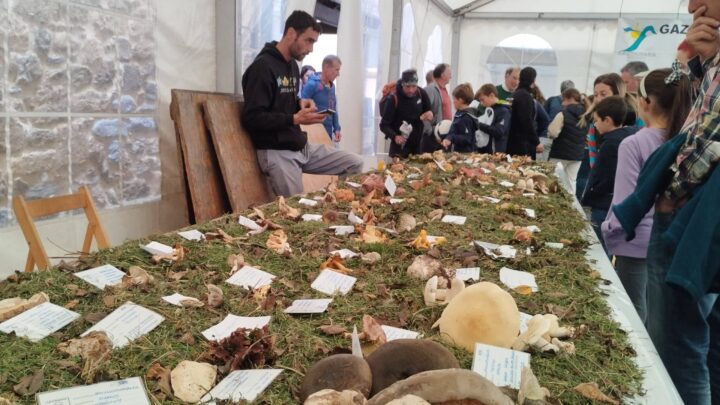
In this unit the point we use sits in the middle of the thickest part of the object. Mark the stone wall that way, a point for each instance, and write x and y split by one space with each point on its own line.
77 101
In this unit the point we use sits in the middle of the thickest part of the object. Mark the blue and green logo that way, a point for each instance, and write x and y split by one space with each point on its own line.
638 36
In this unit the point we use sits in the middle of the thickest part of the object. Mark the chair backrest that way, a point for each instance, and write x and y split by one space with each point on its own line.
27 211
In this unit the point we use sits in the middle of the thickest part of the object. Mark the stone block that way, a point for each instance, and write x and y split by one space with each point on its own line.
141 161
4 179
95 159
39 157
93 56
138 82
3 28
134 8
37 56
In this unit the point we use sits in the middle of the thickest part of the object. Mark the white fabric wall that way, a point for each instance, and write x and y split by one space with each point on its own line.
427 17
582 6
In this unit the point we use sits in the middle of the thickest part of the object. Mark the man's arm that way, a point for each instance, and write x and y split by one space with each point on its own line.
258 90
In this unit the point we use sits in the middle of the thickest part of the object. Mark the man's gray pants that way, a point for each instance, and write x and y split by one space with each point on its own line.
284 168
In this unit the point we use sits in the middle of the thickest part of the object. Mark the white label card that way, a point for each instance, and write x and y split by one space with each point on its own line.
331 282
524 318
353 184
192 234
250 277
394 201
533 229
555 245
309 203
39 322
231 323
390 186
127 323
102 276
454 219
492 199
248 223
342 230
499 365
393 333
315 306
514 278
507 184
157 248
468 273
130 391
312 217
530 213
344 253
497 251
412 176
242 385
354 219
176 299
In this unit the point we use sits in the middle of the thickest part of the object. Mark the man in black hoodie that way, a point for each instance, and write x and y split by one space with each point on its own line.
523 138
272 113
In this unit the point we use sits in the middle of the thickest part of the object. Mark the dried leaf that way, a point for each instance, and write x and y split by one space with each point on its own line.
77 291
287 211
592 391
372 331
372 235
94 317
372 183
435 215
332 329
137 277
370 257
72 304
258 212
523 235
236 262
179 252
191 302
162 375
30 384
187 338
369 217
330 216
243 349
278 242
288 283
95 349
109 301
507 226
214 296
344 194
336 263
264 298
406 223
440 201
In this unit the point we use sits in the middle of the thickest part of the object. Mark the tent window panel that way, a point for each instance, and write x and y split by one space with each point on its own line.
406 37
433 56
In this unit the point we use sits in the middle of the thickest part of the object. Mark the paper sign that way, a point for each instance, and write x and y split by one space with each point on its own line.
393 333
315 306
529 195
533 229
524 318
499 365
440 165
39 322
309 203
412 176
390 186
496 251
248 223
394 201
127 323
242 385
554 245
355 343
101 276
514 278
492 199
157 248
342 230
344 253
354 219
353 184
193 234
130 391
468 273
331 283
529 212
454 219
231 323
250 277
507 184
312 217
176 299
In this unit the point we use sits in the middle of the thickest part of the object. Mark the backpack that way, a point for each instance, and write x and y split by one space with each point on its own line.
388 92
482 138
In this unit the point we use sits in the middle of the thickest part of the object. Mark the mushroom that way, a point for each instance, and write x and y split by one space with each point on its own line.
409 400
433 295
542 334
423 267
398 359
332 397
191 380
338 372
440 386
406 223
483 313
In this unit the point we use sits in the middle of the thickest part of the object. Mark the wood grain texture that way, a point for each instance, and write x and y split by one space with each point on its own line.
316 134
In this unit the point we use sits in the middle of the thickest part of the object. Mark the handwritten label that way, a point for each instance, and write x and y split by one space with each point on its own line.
330 282
315 306
454 219
157 248
231 323
309 203
390 186
514 278
193 234
39 322
127 323
468 273
499 365
101 276
249 277
242 385
130 391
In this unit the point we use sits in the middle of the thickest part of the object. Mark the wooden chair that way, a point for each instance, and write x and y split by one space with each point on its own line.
27 211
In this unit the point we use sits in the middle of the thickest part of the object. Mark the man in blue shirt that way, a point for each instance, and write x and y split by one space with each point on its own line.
321 89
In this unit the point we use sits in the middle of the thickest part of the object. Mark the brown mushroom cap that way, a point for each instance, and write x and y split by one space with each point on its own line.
338 372
399 359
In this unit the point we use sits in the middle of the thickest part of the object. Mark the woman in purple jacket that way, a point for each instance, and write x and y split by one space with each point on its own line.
663 106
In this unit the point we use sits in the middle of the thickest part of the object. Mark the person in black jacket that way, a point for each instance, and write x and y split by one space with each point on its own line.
403 115
500 126
568 147
272 113
461 137
523 138
608 116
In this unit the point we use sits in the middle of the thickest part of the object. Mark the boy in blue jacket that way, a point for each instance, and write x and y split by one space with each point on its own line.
500 126
461 137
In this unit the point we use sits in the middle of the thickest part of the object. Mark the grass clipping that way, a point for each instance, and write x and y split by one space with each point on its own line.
459 186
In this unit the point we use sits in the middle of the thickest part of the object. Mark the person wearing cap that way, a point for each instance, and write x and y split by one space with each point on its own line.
523 138
404 114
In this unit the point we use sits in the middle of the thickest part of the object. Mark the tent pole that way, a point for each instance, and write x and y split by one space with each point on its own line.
394 66
455 50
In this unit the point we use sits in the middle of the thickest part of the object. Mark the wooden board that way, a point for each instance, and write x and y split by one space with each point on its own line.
244 182
316 134
207 196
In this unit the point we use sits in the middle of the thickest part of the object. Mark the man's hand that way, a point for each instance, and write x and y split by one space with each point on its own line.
703 34
446 143
308 103
308 115
540 148
400 140
338 136
427 116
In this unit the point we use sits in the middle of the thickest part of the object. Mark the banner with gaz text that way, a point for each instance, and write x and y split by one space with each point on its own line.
653 41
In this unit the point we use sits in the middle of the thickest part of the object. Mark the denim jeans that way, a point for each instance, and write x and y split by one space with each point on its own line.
597 216
680 326
633 275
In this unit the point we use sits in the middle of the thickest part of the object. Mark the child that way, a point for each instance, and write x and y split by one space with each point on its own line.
608 117
663 108
500 126
568 147
461 137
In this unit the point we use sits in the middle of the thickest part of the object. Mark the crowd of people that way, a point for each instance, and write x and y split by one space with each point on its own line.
640 153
